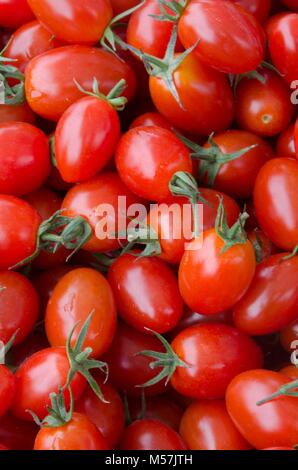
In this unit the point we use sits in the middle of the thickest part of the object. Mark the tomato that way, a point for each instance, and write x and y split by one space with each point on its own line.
24 154
239 32
127 370
41 374
282 34
15 13
292 4
119 6
7 388
151 119
262 245
2 447
92 199
146 292
108 416
49 84
271 424
28 42
72 21
264 108
150 434
78 434
150 175
18 233
289 335
17 295
195 83
17 434
285 145
260 9
276 203
296 139
86 138
193 318
206 425
19 112
290 371
215 353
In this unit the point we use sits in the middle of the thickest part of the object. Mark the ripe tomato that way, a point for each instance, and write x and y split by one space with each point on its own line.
17 295
108 416
206 425
195 83
151 119
91 200
271 424
276 203
285 145
150 175
73 21
150 434
193 318
215 353
49 84
77 294
290 371
260 9
19 112
289 335
17 434
7 388
24 156
239 32
78 434
264 108
18 233
15 13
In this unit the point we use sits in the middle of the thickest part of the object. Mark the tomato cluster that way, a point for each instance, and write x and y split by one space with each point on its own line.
116 331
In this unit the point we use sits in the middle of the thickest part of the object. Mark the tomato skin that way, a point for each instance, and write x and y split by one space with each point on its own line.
149 177
86 138
190 318
17 434
18 296
265 308
292 4
18 239
78 434
195 83
290 371
276 203
7 388
201 346
146 292
109 418
15 13
76 295
32 393
238 31
74 22
289 335
120 6
260 9
161 408
252 421
84 199
19 112
150 119
285 145
150 434
49 84
264 108
206 425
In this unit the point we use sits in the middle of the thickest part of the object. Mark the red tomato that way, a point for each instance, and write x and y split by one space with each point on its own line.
72 21
150 175
17 295
290 371
49 84
193 318
276 203
24 156
17 434
146 292
292 4
215 353
285 145
108 416
264 108
119 6
296 139
289 336
206 425
41 374
150 434
151 119
220 23
18 233
260 9
78 434
15 13
19 112
271 424
7 388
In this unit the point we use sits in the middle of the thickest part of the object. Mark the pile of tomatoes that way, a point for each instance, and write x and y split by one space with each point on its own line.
142 342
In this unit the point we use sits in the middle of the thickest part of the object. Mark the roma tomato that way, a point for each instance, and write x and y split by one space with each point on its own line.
272 424
150 434
151 119
239 32
17 295
289 336
24 153
285 145
260 9
206 425
50 86
7 388
150 175
15 13
271 300
72 21
276 203
17 434
19 112
77 294
146 292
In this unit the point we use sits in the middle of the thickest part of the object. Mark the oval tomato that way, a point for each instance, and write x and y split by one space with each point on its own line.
260 9
151 119
285 145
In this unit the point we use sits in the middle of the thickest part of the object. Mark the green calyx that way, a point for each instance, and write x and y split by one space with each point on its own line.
52 151
58 415
168 361
114 97
142 236
212 157
170 11
258 248
11 94
235 235
291 255
252 75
